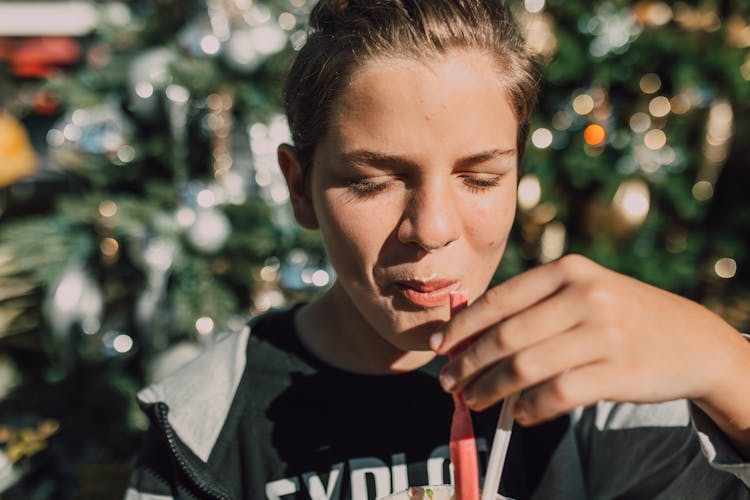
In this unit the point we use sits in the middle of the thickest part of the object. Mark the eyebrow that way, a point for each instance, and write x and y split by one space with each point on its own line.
363 157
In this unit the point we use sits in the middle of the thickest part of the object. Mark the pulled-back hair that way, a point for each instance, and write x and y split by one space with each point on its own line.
344 35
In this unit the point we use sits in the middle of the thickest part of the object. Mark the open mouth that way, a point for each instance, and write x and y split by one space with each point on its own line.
427 293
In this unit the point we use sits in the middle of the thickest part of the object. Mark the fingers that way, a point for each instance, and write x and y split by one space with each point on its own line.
510 298
558 313
535 365
416 493
582 386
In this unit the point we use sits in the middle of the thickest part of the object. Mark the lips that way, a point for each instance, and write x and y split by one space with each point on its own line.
430 293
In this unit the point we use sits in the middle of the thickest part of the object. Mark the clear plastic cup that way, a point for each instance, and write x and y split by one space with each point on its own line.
440 492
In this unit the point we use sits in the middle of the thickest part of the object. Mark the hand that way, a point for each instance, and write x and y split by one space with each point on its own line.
571 333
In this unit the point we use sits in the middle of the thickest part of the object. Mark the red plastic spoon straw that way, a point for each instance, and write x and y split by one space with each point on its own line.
463 446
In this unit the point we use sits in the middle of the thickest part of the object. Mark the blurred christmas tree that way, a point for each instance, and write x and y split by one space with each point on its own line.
158 224
634 158
158 220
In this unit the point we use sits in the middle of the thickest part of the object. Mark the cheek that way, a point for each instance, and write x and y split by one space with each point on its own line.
354 233
489 223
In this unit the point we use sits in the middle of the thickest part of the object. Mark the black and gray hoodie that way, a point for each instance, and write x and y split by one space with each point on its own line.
259 417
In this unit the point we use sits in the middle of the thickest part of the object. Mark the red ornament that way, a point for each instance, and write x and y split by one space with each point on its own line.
39 56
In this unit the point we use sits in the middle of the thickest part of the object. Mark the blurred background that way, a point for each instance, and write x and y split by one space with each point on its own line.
143 216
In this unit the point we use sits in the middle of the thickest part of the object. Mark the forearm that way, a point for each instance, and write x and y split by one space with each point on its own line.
729 405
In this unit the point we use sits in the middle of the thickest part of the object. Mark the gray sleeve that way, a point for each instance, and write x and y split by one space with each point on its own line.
655 451
719 452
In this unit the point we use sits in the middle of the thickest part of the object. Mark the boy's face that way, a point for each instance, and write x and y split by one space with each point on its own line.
414 190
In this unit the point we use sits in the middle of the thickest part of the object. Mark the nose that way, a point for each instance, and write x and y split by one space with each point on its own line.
431 218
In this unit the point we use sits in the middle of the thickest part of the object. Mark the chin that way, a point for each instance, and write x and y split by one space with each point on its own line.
413 335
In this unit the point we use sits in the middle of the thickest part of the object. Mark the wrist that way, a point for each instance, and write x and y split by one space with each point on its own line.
728 404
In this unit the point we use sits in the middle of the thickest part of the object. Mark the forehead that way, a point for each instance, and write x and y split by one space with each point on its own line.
454 102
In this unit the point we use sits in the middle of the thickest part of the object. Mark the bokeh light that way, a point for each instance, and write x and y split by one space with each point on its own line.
594 134
654 13
529 192
122 343
583 104
287 21
720 122
210 44
320 278
144 90
107 208
542 138
204 325
655 139
126 153
703 190
650 83
268 273
632 201
745 69
109 247
177 93
561 121
640 122
659 106
206 198
725 268
680 104
552 241
533 6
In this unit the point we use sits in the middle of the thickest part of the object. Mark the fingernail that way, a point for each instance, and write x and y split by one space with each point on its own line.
447 381
436 340
468 397
520 411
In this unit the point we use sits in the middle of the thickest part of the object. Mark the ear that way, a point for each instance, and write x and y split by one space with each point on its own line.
302 204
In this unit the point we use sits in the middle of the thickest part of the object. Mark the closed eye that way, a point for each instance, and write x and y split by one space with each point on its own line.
481 182
364 188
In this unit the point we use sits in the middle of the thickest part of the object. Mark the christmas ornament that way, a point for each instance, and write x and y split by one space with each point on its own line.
9 376
17 158
74 301
198 38
268 296
552 242
653 13
86 134
116 342
99 55
219 121
210 230
719 133
247 48
116 13
148 75
613 29
9 473
264 139
45 102
539 31
235 183
178 105
22 443
234 187
298 273
38 57
155 255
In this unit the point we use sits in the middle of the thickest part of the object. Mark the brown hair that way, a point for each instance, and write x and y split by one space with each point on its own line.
346 34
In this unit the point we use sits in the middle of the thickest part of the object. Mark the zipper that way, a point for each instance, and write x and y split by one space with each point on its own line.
198 482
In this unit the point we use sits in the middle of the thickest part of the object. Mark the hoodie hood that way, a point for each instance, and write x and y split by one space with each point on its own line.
200 393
